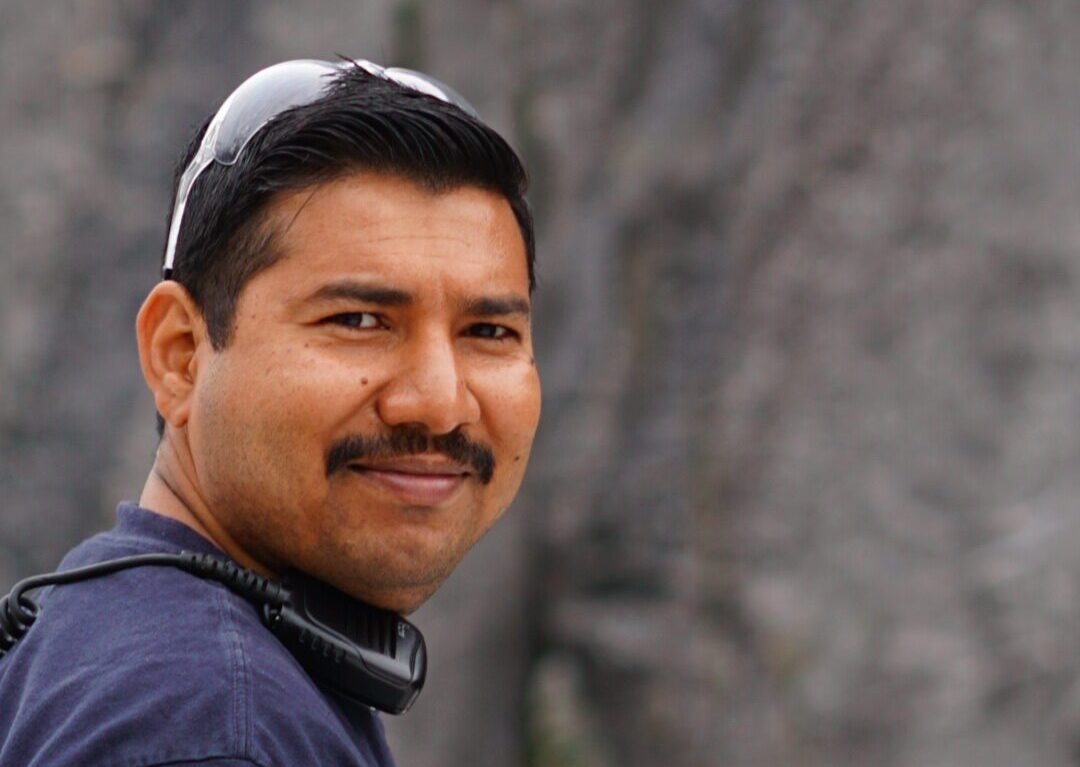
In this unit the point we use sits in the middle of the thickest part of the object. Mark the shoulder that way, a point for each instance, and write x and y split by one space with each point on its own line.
154 666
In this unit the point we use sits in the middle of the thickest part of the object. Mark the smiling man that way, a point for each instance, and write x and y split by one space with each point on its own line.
341 360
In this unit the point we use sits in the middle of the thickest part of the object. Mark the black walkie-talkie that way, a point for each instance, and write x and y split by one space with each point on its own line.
358 654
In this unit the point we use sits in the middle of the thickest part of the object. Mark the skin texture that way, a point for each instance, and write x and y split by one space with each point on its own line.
393 308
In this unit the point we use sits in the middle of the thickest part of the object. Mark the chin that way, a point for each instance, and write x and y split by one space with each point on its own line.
399 592
402 602
399 573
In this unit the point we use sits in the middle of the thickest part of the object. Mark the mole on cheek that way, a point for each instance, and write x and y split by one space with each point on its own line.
363 382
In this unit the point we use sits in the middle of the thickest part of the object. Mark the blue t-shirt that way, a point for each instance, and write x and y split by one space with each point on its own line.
154 666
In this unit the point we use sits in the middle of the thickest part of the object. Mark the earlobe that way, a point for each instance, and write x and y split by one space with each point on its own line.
170 329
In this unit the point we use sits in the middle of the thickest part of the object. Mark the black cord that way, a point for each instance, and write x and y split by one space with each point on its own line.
18 611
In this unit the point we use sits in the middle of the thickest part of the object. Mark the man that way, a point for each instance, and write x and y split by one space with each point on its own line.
341 361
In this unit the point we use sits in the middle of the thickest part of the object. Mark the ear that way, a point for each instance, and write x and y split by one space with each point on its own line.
170 331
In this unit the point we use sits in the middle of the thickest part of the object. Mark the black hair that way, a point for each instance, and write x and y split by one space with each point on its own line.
363 122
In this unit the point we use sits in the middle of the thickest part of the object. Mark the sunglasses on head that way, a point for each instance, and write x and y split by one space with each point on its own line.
265 95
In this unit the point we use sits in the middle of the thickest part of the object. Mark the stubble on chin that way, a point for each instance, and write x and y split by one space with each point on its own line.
378 573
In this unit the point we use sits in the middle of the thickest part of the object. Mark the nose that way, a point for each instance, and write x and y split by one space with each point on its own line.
428 389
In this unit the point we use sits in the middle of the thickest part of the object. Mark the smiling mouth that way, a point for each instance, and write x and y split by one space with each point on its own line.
414 483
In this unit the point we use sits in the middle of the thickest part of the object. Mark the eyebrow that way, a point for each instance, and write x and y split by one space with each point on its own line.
497 306
362 292
482 306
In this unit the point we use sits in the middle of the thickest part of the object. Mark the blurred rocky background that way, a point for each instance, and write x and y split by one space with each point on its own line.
809 321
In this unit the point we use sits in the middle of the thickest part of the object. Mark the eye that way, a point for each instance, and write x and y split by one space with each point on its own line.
491 331
355 320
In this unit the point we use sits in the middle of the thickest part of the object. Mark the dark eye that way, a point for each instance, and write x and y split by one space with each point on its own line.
491 331
355 320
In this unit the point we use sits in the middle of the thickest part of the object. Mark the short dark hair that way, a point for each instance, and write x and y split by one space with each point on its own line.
364 122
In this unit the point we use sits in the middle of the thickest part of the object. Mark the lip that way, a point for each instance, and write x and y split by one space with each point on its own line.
413 481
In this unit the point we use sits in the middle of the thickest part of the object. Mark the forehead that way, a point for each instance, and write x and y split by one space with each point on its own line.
387 227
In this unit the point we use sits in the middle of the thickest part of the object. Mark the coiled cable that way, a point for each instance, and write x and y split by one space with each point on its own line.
18 611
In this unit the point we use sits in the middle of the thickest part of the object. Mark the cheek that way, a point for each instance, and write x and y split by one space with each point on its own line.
298 385
510 401
266 417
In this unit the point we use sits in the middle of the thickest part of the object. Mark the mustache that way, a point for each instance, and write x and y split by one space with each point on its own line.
412 440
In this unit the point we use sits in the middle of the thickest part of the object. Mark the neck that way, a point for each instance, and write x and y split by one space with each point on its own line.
171 492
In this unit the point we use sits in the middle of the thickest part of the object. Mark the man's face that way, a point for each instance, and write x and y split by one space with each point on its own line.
373 411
